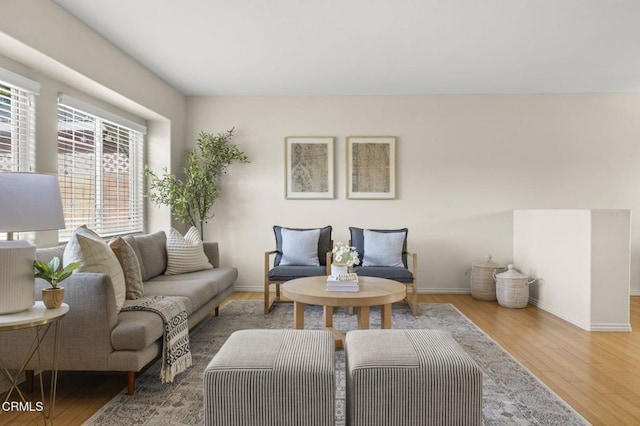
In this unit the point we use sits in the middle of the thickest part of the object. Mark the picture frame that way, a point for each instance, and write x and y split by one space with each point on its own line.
371 167
309 167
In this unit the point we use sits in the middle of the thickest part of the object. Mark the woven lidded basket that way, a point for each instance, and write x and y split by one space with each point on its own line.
512 288
483 283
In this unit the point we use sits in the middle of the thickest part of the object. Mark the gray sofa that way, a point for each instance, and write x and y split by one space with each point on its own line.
95 337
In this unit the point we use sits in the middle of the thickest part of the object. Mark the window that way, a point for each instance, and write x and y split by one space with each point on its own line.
17 122
100 171
17 128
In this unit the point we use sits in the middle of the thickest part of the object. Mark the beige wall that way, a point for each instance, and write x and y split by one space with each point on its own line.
589 287
41 41
464 163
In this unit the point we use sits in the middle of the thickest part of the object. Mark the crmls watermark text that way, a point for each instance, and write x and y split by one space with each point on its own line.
22 406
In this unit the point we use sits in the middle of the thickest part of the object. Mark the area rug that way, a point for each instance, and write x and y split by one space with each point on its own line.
511 394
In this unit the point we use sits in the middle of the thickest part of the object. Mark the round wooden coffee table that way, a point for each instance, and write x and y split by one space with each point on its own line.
373 292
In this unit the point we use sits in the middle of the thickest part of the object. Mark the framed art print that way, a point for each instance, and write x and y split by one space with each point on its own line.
309 167
371 167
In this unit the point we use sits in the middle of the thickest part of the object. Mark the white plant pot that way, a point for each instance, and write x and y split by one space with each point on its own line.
339 269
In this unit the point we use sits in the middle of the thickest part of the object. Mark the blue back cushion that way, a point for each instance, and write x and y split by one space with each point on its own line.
324 243
357 240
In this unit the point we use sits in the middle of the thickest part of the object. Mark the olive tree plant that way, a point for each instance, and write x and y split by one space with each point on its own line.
192 196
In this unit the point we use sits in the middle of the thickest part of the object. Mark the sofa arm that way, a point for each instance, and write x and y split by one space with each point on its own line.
85 332
92 312
212 252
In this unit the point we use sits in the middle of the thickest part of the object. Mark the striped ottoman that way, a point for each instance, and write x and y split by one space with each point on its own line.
411 377
272 377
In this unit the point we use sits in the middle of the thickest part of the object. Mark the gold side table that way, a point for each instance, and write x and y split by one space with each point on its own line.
40 319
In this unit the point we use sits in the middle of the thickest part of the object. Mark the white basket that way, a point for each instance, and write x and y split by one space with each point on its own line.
483 282
512 288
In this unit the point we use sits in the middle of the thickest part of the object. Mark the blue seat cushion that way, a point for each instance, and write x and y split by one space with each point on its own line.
395 273
286 273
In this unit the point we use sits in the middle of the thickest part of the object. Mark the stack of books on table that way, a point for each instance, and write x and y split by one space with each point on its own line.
343 282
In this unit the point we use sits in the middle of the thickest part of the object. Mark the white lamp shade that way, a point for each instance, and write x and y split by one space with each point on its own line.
30 202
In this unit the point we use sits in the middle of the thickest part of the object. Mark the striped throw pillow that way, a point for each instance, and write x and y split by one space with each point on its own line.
185 254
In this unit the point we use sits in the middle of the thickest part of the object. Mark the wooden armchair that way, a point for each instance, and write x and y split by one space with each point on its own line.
404 271
276 273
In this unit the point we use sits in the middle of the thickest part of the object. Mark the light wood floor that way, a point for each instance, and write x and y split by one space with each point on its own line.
597 373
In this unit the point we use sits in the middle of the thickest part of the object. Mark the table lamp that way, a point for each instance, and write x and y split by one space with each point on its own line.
28 202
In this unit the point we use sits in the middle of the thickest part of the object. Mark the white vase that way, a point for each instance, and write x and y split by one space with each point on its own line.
339 269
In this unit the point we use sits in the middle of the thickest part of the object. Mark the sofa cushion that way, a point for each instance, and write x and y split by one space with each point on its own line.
357 240
130 267
87 247
286 273
151 250
324 243
185 253
46 254
199 287
136 330
400 274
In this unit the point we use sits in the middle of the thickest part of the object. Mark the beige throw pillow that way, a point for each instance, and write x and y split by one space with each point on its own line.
87 247
130 267
185 254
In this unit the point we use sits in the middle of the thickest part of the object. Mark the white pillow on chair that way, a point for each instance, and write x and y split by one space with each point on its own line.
383 248
300 248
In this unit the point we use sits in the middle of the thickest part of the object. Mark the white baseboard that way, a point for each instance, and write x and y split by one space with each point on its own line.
248 288
635 292
260 289
444 291
606 327
611 327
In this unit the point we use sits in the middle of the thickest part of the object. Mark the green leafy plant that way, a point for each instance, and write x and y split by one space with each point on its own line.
192 196
52 273
345 255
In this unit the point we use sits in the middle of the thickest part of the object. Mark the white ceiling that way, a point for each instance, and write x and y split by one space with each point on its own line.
376 47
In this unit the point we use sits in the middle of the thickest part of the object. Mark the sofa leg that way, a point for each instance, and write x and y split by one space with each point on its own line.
131 382
28 379
216 311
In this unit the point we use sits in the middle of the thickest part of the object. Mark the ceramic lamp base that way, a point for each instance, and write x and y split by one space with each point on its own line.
17 284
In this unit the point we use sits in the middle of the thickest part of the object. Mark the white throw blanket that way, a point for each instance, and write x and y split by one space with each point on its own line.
176 353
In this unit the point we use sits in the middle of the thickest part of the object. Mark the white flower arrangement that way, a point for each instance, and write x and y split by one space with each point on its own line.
345 255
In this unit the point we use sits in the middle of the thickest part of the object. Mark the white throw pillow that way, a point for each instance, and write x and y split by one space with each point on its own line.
185 254
300 248
96 256
383 248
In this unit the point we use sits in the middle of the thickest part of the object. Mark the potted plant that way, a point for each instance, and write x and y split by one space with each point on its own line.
192 197
344 257
54 275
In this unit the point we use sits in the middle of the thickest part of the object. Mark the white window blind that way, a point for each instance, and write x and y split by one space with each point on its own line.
100 168
17 128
